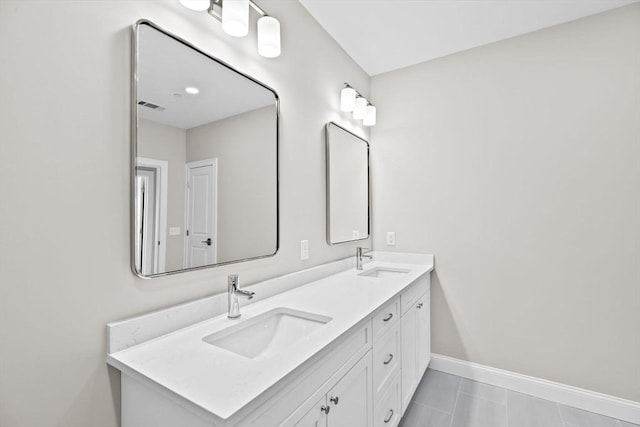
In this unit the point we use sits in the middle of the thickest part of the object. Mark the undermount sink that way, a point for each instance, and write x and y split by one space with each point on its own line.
384 272
267 334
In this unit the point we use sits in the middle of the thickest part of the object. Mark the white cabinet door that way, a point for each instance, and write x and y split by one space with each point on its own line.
423 330
351 399
415 330
316 417
408 333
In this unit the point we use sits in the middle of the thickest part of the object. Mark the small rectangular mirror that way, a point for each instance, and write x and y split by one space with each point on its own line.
205 159
347 186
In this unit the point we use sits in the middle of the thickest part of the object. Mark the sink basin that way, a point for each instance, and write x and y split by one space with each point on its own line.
267 334
384 272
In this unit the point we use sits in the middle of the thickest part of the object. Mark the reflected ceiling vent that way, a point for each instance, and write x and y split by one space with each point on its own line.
150 105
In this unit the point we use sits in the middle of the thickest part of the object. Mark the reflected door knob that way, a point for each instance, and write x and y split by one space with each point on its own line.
208 241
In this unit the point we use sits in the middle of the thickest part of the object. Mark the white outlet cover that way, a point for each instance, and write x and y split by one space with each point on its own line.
304 249
391 238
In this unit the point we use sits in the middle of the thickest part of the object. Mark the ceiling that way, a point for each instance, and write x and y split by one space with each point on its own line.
167 67
384 35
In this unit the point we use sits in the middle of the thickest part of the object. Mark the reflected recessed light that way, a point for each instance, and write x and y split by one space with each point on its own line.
192 90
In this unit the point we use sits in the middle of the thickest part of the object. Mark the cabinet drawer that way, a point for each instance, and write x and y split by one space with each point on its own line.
386 317
386 412
386 359
413 292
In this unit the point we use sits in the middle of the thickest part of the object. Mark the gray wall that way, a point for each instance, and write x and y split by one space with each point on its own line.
245 146
162 142
517 165
64 169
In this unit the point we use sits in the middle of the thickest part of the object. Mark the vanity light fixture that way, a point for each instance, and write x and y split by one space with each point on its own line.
347 99
361 108
197 5
370 116
352 101
234 16
269 37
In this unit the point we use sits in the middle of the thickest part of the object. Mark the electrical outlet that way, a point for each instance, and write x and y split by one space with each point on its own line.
304 249
355 234
391 238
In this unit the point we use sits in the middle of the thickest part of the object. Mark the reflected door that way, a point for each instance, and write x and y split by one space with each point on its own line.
146 208
201 235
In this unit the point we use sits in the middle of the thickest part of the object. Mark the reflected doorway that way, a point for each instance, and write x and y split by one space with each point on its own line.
201 240
150 221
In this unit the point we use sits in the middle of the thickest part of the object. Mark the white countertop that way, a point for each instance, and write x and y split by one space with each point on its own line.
222 382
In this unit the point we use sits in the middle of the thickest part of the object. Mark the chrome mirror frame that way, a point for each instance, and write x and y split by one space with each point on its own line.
134 152
328 187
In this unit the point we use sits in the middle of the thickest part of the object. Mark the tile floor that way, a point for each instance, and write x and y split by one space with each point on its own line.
444 400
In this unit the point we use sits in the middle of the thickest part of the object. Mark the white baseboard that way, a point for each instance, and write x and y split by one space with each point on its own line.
599 403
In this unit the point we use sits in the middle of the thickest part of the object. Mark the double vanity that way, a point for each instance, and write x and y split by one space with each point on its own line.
341 344
332 345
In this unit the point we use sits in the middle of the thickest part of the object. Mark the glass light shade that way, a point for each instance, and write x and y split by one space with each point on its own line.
197 5
370 116
235 17
347 99
361 108
268 37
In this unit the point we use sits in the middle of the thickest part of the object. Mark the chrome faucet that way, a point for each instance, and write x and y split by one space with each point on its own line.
233 290
359 256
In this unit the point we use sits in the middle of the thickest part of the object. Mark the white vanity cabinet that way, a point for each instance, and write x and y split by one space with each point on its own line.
416 336
359 368
334 391
349 403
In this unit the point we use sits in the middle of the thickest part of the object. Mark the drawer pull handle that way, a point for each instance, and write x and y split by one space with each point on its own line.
334 400
389 359
420 305
389 416
325 409
389 316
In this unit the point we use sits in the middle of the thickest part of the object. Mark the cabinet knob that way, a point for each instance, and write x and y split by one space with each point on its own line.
389 316
389 359
325 409
334 400
389 416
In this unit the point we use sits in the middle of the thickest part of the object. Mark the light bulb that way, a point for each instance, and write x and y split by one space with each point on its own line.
370 116
235 17
197 5
268 37
347 99
361 108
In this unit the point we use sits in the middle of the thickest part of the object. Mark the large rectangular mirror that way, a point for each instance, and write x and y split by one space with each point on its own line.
205 159
347 185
